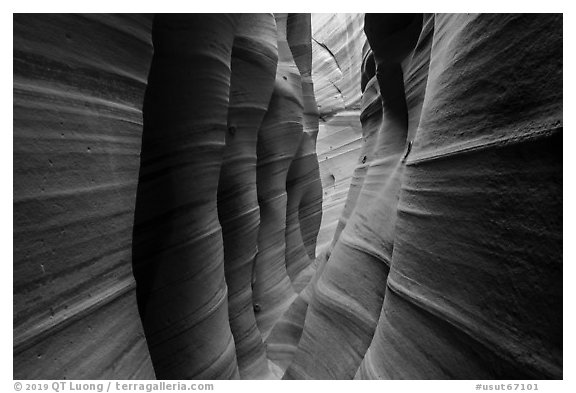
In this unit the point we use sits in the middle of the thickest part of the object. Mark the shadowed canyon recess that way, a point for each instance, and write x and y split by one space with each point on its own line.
288 196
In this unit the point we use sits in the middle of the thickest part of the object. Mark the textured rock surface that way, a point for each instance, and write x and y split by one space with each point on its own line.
353 283
278 143
78 88
254 62
178 254
337 41
228 199
326 196
304 212
459 196
475 285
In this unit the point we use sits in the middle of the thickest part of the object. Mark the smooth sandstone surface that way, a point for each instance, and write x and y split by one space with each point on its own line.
266 196
254 62
353 282
278 142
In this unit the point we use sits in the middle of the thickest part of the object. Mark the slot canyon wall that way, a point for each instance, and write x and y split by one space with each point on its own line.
79 84
296 196
449 260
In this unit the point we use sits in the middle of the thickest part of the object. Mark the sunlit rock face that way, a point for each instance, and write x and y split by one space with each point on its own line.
337 42
266 196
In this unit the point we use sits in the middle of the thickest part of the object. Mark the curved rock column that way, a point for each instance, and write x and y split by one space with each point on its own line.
178 257
300 40
304 207
475 287
371 120
415 78
351 288
278 142
303 186
254 61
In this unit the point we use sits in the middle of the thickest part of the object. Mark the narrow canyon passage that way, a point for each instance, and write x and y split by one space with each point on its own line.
288 196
